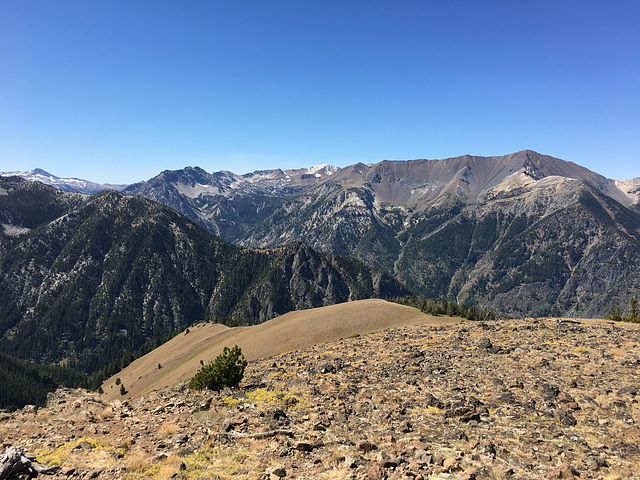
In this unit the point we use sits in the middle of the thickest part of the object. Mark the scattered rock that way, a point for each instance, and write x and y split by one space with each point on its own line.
450 464
507 399
278 473
375 472
367 446
326 368
304 447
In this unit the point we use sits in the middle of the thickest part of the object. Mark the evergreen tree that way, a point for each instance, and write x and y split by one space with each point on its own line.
633 310
226 370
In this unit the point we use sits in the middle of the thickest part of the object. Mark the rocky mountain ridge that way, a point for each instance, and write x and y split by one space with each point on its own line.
219 200
484 236
224 202
444 227
419 183
525 233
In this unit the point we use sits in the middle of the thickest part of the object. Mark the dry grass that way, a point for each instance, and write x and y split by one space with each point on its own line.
223 462
141 466
168 429
180 357
106 413
137 461
262 396
100 455
210 417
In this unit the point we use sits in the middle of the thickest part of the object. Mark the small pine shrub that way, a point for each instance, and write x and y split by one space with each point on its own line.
123 391
633 316
615 315
226 370
633 311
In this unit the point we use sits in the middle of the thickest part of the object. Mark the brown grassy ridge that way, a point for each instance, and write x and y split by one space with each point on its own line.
180 357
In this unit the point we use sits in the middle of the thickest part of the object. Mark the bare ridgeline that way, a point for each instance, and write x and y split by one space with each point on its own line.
527 399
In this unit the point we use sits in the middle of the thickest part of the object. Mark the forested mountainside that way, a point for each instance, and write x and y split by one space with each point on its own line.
526 234
87 278
28 383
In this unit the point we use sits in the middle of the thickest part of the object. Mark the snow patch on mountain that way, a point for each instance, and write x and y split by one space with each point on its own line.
75 185
194 191
13 230
322 168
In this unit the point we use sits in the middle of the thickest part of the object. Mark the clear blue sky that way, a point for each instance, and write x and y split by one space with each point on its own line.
117 91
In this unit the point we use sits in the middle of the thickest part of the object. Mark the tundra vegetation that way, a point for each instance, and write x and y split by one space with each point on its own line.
517 399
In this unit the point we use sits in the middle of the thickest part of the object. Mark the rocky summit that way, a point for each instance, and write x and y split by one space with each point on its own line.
525 399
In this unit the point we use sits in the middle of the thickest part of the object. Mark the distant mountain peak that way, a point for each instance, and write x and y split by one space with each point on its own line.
436 224
39 171
75 185
328 169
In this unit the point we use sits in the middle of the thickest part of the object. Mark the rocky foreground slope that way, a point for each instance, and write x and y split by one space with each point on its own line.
512 399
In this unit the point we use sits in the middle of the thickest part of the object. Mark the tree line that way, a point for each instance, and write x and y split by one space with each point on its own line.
28 383
633 316
450 308
95 381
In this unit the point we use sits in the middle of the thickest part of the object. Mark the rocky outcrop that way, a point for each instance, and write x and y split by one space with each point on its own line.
532 399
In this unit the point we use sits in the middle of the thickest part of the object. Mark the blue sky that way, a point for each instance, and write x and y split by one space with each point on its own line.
117 91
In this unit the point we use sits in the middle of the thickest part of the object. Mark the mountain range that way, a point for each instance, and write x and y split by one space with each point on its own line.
526 234
86 278
67 184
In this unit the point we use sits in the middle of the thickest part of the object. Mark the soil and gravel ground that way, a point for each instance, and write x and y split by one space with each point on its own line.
527 399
